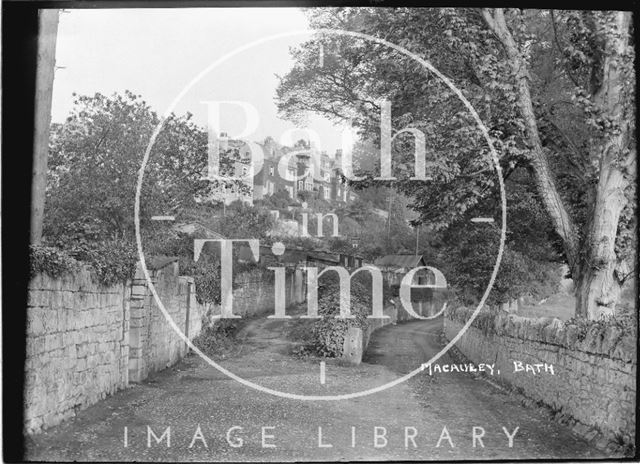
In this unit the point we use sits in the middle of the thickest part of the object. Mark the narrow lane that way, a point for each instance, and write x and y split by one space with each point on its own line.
242 424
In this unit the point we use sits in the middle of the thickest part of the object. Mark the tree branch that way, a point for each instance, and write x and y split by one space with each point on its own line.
545 184
557 41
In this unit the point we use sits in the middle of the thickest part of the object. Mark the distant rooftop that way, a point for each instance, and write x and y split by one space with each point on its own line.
192 227
158 262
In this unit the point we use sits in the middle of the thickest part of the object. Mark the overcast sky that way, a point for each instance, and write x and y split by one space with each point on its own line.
157 52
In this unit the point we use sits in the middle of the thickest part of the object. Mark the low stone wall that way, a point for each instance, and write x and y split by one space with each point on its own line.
356 340
426 303
85 341
390 310
594 375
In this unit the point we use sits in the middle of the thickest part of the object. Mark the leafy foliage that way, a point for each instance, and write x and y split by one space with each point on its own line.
95 157
206 272
625 320
244 221
111 262
563 56
485 320
94 161
51 261
239 221
327 334
217 339
280 201
114 261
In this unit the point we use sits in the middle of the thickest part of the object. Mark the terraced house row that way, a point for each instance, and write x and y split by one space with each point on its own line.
308 170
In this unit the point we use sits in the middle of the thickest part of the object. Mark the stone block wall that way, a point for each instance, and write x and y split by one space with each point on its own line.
77 346
427 304
86 341
594 374
424 301
154 344
356 340
254 292
390 310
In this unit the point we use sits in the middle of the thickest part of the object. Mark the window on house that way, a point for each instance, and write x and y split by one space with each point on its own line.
300 185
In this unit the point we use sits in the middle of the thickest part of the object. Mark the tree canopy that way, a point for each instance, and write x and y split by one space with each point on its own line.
95 158
555 91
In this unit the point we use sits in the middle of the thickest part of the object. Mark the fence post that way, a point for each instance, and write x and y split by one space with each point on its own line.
186 328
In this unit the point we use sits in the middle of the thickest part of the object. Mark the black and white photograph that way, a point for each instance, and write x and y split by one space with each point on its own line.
302 232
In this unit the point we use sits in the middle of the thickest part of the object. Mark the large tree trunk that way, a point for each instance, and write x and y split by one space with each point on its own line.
544 180
602 272
598 283
598 273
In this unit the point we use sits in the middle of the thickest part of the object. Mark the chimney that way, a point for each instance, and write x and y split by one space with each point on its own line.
224 141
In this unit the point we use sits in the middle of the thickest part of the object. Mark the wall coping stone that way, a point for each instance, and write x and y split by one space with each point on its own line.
601 340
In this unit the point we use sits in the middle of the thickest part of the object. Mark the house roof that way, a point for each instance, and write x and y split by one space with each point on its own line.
158 262
400 261
292 256
323 256
194 227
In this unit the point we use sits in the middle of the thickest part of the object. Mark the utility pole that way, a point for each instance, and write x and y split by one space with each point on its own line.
417 235
45 70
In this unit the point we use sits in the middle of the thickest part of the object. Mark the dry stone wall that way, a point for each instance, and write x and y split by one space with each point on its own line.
594 374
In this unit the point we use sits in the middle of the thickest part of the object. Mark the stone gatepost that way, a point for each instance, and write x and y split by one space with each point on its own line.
138 320
353 346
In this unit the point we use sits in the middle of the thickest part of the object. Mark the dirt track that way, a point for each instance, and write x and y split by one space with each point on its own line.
194 393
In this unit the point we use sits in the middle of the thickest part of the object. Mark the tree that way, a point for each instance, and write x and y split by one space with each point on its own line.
245 221
95 157
608 98
279 200
466 253
305 195
569 126
302 144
